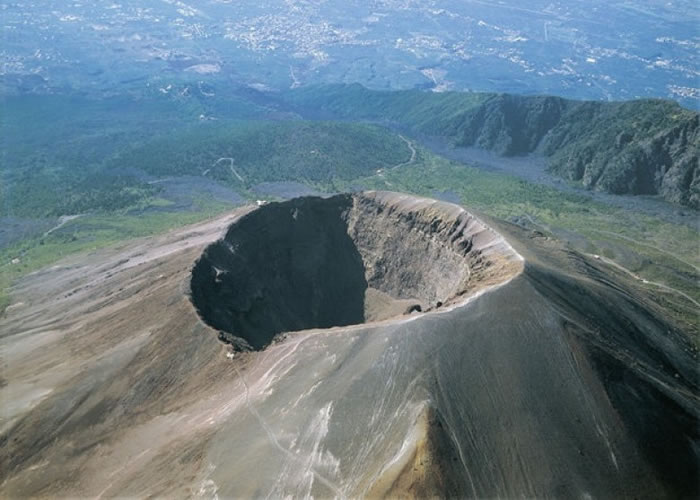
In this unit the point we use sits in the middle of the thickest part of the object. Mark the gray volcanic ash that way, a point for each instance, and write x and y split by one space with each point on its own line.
553 376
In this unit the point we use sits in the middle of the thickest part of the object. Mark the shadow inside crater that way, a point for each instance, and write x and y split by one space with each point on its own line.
286 267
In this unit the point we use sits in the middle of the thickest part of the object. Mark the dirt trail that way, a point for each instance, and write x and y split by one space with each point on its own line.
643 280
617 235
413 153
230 166
624 269
62 221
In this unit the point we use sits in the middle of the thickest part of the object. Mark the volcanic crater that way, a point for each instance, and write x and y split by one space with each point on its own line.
316 262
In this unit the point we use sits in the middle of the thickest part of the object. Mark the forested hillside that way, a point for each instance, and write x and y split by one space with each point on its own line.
635 147
245 154
68 155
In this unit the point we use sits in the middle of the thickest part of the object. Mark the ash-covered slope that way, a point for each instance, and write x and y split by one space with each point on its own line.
316 263
560 381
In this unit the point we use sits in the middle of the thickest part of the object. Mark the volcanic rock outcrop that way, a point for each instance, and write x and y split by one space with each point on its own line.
352 258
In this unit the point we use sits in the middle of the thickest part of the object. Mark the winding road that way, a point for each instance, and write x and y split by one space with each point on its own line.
413 153
643 280
624 269
621 236
230 166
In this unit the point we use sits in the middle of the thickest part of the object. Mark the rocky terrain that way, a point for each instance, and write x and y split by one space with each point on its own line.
558 378
316 263
634 147
642 147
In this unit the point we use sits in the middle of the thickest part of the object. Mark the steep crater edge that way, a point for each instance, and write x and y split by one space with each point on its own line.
351 258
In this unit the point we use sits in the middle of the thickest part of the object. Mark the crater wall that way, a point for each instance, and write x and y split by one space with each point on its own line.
352 258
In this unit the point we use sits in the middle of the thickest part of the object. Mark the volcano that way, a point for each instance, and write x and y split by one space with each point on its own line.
362 345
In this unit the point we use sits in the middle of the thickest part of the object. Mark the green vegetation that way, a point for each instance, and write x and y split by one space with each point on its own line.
638 147
54 148
68 155
426 112
98 158
245 154
648 247
64 155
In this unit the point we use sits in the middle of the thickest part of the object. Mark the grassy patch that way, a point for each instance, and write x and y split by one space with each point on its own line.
653 249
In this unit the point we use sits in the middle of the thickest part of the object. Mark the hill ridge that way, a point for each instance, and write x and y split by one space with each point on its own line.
648 146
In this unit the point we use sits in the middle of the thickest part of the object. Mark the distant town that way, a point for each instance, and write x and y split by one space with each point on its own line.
564 48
